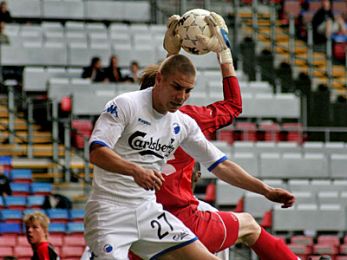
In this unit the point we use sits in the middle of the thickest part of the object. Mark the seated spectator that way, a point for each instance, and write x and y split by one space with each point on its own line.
5 188
5 15
113 73
3 37
324 24
36 229
94 71
133 76
57 201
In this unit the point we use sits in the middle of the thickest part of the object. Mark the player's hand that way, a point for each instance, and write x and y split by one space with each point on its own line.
282 196
219 42
149 179
172 41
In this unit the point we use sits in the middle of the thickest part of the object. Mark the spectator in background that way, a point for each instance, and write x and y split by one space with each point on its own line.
57 201
36 229
5 15
94 71
3 37
324 24
5 188
133 76
113 73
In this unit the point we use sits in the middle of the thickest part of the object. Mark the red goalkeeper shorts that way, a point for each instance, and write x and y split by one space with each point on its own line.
216 230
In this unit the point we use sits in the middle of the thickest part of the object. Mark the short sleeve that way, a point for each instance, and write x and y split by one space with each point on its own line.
111 123
203 151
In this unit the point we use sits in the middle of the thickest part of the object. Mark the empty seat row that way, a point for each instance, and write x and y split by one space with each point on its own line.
291 147
63 215
134 11
324 217
292 165
27 188
39 78
56 227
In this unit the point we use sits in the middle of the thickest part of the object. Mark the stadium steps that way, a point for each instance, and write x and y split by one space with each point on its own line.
39 150
301 63
39 137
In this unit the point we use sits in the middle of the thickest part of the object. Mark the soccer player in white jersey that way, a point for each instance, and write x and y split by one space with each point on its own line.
132 140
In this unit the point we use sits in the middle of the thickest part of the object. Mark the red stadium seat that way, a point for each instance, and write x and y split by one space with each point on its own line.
226 135
5 250
328 239
8 241
302 251
74 240
56 240
22 241
341 257
302 240
247 130
294 132
71 251
325 249
81 128
210 194
269 132
266 222
23 252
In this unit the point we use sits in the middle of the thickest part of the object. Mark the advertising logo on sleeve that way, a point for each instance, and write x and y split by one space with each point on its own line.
150 145
176 128
112 109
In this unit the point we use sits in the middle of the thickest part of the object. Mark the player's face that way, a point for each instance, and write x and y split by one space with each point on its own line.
35 233
174 90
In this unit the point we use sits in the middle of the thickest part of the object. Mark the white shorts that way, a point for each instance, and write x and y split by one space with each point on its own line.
148 230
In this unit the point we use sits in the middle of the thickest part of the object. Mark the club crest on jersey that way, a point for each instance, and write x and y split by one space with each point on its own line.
108 248
150 146
176 128
112 109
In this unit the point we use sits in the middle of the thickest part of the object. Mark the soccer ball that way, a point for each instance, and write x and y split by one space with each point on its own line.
191 24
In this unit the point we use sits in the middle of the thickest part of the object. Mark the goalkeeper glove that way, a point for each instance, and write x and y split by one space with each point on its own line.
219 41
172 41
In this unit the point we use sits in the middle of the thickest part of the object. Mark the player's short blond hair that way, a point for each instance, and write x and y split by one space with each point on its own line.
37 217
177 64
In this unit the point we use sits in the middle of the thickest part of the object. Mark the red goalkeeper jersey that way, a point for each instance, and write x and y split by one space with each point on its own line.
177 191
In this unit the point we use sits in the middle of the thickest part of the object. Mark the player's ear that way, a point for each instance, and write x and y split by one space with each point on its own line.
158 78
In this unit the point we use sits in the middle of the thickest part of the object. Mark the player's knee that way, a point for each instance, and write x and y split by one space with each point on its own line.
249 229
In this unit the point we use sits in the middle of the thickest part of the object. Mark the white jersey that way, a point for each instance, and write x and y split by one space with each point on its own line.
133 129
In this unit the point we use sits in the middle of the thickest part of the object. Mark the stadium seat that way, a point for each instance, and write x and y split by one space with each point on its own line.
269 132
10 228
20 189
246 130
302 240
7 241
15 202
75 227
5 250
301 250
56 239
58 215
41 188
81 128
23 252
74 240
294 132
57 228
21 175
71 251
226 195
22 240
35 201
11 216
77 215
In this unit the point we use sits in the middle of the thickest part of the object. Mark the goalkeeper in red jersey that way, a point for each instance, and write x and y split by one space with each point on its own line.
216 230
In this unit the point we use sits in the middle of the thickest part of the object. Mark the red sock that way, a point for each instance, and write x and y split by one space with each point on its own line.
267 247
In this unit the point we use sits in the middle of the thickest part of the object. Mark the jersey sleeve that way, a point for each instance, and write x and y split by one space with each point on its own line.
218 114
111 122
197 146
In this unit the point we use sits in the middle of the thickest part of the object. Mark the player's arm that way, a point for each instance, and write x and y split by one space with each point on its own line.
233 174
107 159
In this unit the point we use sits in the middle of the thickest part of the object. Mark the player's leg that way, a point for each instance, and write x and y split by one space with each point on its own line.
192 251
263 243
163 236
